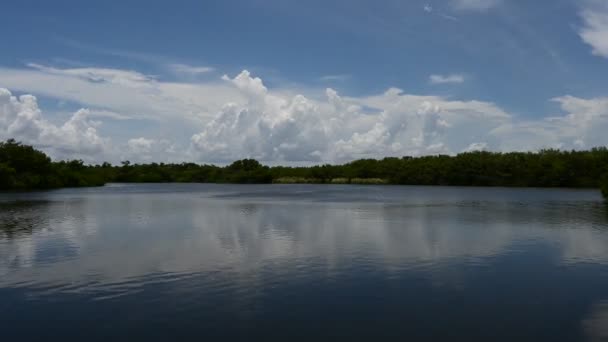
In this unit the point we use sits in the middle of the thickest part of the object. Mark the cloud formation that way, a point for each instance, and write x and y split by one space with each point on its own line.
188 69
124 92
151 150
595 28
21 119
274 127
270 126
240 117
78 137
444 79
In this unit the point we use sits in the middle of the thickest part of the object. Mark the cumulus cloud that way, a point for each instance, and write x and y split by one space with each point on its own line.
274 127
443 79
245 118
475 5
152 150
21 119
140 145
267 126
78 137
583 125
270 126
595 28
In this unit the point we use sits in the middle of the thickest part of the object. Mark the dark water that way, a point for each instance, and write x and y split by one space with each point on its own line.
288 262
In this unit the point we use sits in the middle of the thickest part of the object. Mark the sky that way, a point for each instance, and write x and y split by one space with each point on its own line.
294 82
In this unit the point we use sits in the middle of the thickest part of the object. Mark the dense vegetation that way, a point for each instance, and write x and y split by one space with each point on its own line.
23 167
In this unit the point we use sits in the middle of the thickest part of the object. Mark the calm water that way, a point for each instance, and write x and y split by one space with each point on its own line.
286 262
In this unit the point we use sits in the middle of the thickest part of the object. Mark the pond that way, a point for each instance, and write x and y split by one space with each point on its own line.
303 262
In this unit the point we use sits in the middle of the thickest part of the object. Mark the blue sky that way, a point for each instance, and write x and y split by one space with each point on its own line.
165 80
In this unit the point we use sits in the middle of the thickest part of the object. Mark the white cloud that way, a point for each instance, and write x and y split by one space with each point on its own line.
445 79
21 119
296 128
583 125
220 121
475 5
140 145
481 146
108 114
78 137
125 78
430 10
124 92
151 150
595 29
275 127
188 69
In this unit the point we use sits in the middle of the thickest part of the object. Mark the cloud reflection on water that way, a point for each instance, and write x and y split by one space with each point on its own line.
85 244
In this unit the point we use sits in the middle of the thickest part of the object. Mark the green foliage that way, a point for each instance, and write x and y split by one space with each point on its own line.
23 167
7 176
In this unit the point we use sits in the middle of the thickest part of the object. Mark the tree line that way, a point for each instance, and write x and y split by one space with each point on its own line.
22 167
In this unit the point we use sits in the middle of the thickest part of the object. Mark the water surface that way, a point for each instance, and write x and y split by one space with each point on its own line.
287 262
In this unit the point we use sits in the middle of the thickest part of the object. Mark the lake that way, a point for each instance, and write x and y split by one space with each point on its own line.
302 262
